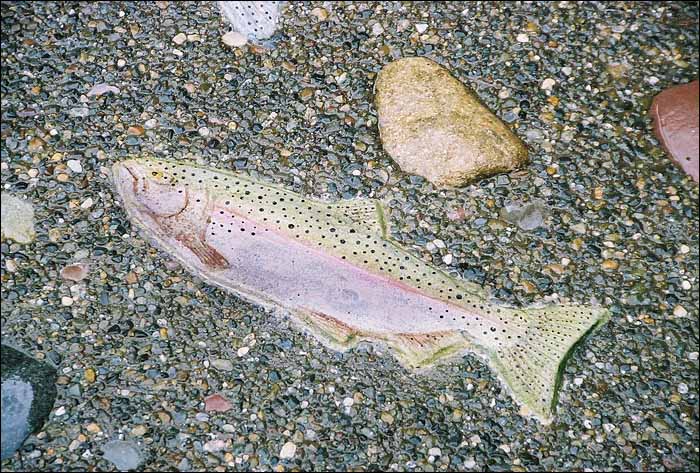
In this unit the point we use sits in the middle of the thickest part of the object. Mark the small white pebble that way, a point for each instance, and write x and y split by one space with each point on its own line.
522 38
439 243
204 131
421 27
505 448
234 39
178 53
693 355
288 450
679 311
684 249
567 71
60 411
447 259
348 402
67 301
683 388
686 285
87 203
180 38
435 452
578 381
243 351
121 63
74 165
653 80
548 83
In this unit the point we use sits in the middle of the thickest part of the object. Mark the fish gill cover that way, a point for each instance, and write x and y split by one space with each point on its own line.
333 269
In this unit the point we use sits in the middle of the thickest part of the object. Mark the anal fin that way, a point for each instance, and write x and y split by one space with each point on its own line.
412 350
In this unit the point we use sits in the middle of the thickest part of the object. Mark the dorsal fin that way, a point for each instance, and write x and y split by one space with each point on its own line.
365 212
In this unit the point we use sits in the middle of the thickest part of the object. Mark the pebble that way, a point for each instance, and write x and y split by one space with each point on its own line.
421 27
243 351
377 29
217 403
139 430
215 445
74 165
522 38
683 388
435 452
180 38
79 112
679 311
527 216
234 39
124 455
90 375
16 219
320 13
548 84
433 137
348 402
66 301
288 450
222 364
610 265
101 89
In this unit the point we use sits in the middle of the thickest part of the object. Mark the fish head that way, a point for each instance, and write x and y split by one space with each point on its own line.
150 187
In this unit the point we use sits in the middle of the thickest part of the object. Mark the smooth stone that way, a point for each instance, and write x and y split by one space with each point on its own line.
216 403
222 364
675 114
101 89
434 126
75 272
28 393
526 216
288 450
16 219
124 455
234 39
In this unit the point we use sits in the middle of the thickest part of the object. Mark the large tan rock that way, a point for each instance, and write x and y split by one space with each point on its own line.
434 126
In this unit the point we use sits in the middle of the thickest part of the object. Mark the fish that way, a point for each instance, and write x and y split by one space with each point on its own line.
334 270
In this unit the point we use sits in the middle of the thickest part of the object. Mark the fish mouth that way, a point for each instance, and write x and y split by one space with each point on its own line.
126 172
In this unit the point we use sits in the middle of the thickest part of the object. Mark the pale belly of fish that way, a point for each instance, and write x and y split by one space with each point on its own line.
333 269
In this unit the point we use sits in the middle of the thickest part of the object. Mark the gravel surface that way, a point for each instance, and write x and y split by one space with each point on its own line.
140 344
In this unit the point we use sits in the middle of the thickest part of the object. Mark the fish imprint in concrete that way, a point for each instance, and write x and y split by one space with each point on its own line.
334 270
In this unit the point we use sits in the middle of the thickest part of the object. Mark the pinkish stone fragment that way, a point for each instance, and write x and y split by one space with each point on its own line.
216 403
101 89
675 115
75 272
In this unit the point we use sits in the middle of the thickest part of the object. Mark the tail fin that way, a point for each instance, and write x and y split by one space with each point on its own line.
533 367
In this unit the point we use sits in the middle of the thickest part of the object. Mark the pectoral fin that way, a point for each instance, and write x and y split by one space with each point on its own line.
208 255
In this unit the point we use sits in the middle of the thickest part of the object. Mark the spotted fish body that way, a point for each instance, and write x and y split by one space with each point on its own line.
335 271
